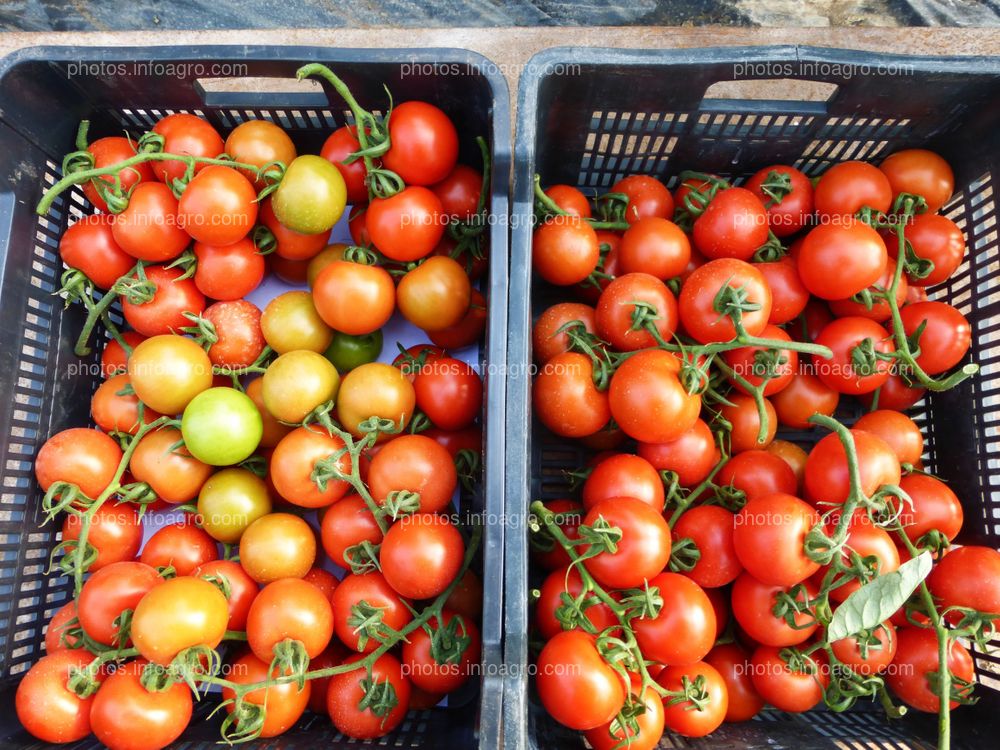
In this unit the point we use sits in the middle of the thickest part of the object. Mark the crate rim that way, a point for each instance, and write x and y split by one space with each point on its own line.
489 727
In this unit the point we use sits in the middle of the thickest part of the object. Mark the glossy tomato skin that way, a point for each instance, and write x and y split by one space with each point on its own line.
114 358
218 206
876 656
260 142
655 246
115 532
711 528
110 591
229 501
187 135
647 735
919 172
565 250
769 536
757 473
89 245
228 272
734 225
684 717
167 371
684 630
340 144
647 399
567 581
794 210
577 687
968 577
733 664
237 329
289 608
354 299
826 468
242 588
289 244
126 716
838 260
46 707
57 636
407 226
869 541
753 603
285 702
946 337
647 197
460 191
847 187
435 295
804 396
449 392
742 414
691 456
182 546
935 506
898 430
623 475
375 389
278 545
346 523
784 688
294 459
880 310
565 398
424 143
150 228
617 306
178 614
421 555
374 589
174 475
643 550
297 382
84 457
697 301
789 295
414 463
938 239
346 691
570 200
108 152
546 339
745 362
311 196
221 426
468 330
173 297
915 663
843 336
428 674
569 516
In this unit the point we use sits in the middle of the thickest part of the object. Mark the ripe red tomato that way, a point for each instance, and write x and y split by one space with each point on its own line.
113 358
576 685
57 635
375 590
180 613
459 192
785 688
840 259
698 312
565 398
937 239
874 657
114 533
880 310
742 415
896 429
691 456
567 581
89 246
789 295
643 549
449 392
609 266
753 604
289 608
49 710
841 372
407 226
421 555
546 340
757 473
647 399
182 546
238 331
565 250
423 143
242 588
684 630
919 172
342 143
656 246
895 394
467 331
570 200
228 272
934 506
346 692
617 308
431 675
150 229
794 210
289 244
913 669
769 536
219 206
734 225
847 187
87 458
647 197
646 736
353 298
345 524
294 460
174 475
164 313
187 135
805 396
752 365
945 339
826 468
968 577
285 701
110 151
869 541
623 475
110 591
733 664
414 463
685 717
569 516
711 529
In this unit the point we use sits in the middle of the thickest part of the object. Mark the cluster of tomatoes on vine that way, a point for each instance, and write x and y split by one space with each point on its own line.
275 432
709 569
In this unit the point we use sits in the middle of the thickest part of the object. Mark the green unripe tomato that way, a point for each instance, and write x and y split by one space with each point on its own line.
231 500
311 197
347 352
221 426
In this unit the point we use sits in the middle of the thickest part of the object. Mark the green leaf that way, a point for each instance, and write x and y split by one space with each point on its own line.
879 599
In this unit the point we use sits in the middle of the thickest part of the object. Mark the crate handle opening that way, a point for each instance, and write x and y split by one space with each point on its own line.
780 93
252 91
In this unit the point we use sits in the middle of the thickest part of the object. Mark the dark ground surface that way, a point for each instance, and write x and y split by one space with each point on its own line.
80 15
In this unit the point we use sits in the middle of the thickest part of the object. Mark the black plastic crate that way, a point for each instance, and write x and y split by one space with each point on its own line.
44 93
588 117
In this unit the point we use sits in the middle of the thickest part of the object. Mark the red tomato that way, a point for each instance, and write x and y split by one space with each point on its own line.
643 549
164 313
294 460
242 588
826 468
937 239
756 363
840 259
793 210
565 250
620 302
547 342
788 294
407 226
945 339
576 685
757 473
872 658
895 394
113 358
656 246
87 458
567 581
753 604
896 429
414 463
57 635
880 310
89 246
847 187
565 398
920 172
699 315
237 328
150 228
345 524
289 608
285 702
219 206
186 135
868 541
108 593
842 371
785 688
114 533
182 546
346 692
685 717
49 710
449 392
228 272
342 143
110 151
421 555
647 399
646 736
734 225
289 244
912 672
459 192
354 298
968 577
733 665
934 506
623 475
431 675
570 200
691 456
373 589
769 537
423 143
742 415
569 515
647 197
711 529
805 396
684 630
